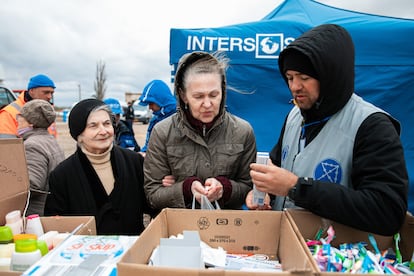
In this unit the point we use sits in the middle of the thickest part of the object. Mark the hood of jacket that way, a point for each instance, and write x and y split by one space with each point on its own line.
158 92
330 49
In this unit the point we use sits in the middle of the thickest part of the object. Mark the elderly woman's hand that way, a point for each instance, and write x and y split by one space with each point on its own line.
168 180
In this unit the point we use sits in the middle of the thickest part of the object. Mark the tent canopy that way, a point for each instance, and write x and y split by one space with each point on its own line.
384 65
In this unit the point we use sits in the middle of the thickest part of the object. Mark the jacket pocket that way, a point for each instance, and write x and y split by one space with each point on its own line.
181 160
227 158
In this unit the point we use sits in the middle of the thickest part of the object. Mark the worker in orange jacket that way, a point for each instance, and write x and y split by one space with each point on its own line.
39 87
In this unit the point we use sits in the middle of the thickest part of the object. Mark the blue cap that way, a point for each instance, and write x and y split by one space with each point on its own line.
40 81
114 105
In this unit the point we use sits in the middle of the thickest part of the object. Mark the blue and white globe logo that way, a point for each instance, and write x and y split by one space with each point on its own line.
268 45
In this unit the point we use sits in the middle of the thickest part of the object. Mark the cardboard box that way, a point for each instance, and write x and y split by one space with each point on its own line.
264 232
306 225
14 186
14 178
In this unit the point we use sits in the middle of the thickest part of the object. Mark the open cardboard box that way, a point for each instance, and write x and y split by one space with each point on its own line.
14 185
306 225
236 231
14 178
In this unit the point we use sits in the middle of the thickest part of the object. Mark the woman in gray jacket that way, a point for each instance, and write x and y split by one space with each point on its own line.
43 152
202 149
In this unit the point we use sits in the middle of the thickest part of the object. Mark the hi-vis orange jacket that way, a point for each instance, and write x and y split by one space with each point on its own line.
8 121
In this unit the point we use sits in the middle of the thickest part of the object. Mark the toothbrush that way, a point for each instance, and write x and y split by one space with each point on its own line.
398 256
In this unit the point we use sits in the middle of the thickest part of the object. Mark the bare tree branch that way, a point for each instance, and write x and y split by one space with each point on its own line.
100 81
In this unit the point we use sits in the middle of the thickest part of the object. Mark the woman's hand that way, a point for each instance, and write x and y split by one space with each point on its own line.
168 180
213 188
197 189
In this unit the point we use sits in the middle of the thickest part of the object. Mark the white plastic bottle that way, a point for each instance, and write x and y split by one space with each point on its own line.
48 238
25 254
258 196
15 222
34 225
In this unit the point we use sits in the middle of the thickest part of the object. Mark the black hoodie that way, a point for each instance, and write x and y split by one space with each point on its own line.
377 201
331 51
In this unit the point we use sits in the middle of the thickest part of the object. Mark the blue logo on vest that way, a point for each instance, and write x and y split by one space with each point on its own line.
285 152
328 170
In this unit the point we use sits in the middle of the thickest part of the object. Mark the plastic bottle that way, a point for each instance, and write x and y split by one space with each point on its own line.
15 222
258 196
25 254
59 238
34 225
6 235
42 246
48 238
6 247
24 237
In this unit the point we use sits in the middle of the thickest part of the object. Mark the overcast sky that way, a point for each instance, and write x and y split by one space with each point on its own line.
66 39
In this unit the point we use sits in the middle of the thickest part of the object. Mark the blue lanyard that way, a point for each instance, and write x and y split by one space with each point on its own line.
302 133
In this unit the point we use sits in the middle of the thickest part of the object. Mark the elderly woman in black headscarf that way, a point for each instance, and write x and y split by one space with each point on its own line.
100 178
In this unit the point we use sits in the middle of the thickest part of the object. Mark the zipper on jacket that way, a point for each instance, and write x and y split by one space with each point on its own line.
204 130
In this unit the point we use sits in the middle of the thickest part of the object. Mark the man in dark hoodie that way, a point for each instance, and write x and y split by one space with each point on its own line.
338 156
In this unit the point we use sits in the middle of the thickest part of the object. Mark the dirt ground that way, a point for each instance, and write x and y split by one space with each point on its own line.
69 145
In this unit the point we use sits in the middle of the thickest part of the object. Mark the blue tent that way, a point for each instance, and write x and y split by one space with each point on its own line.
384 65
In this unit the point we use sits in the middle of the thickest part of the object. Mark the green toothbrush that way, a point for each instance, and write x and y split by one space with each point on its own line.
398 256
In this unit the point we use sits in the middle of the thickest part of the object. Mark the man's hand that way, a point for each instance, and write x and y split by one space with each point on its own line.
272 179
251 206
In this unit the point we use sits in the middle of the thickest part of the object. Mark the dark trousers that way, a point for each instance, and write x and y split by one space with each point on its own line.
129 123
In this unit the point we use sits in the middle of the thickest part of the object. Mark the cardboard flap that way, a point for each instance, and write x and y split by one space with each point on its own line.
407 237
308 224
84 225
294 260
148 240
14 177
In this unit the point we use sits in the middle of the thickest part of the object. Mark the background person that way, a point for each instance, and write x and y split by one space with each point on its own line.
157 95
43 152
203 148
123 135
100 178
39 87
338 156
130 117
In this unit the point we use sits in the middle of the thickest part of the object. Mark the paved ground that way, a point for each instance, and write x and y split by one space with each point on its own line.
69 145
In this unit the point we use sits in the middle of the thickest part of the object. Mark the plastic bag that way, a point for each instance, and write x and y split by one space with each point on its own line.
206 204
